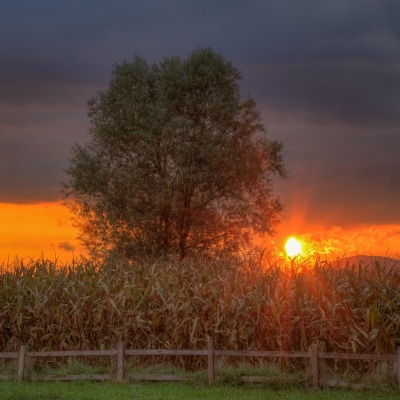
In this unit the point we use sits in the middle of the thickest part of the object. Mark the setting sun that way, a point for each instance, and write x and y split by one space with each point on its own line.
293 247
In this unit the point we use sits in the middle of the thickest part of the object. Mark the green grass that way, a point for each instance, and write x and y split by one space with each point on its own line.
166 391
73 368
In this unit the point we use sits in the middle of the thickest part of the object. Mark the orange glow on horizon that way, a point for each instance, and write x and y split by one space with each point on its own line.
337 242
33 230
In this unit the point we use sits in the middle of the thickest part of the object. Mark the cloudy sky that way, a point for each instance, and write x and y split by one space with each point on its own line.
324 73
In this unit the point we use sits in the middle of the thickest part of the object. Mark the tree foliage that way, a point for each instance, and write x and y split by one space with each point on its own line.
178 161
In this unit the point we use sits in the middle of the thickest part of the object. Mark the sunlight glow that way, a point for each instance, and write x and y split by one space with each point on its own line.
33 230
293 247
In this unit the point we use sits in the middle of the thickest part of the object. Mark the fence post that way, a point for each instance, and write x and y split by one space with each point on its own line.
120 362
21 362
210 358
315 366
398 366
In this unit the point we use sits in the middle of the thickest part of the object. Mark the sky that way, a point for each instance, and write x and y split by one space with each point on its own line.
325 75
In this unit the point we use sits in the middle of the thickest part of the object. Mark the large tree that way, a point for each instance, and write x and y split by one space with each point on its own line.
178 161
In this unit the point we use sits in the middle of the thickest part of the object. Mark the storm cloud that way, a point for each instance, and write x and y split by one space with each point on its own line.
325 76
66 246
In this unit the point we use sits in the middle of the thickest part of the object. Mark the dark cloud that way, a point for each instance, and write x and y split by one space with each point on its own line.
341 174
325 74
85 38
365 195
67 246
39 122
289 30
352 93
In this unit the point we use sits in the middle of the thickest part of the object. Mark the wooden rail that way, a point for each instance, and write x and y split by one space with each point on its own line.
121 353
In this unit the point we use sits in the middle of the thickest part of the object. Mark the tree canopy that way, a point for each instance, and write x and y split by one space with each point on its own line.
178 162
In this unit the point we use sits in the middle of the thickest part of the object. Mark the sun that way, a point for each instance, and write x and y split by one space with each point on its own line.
293 247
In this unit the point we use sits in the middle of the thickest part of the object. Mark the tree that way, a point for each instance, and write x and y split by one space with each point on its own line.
178 161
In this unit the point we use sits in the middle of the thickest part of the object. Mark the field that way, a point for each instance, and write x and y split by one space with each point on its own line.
171 391
241 304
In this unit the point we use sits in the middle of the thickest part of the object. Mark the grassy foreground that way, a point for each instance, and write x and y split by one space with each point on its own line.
165 391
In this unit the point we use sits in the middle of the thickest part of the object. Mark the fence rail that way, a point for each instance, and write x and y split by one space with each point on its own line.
121 353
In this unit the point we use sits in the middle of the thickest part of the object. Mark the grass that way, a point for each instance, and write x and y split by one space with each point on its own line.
172 391
8 367
72 368
226 374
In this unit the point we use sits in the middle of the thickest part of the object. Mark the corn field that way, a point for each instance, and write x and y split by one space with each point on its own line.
240 304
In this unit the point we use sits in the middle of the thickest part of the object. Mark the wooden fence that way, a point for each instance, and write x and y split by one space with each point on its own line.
211 353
